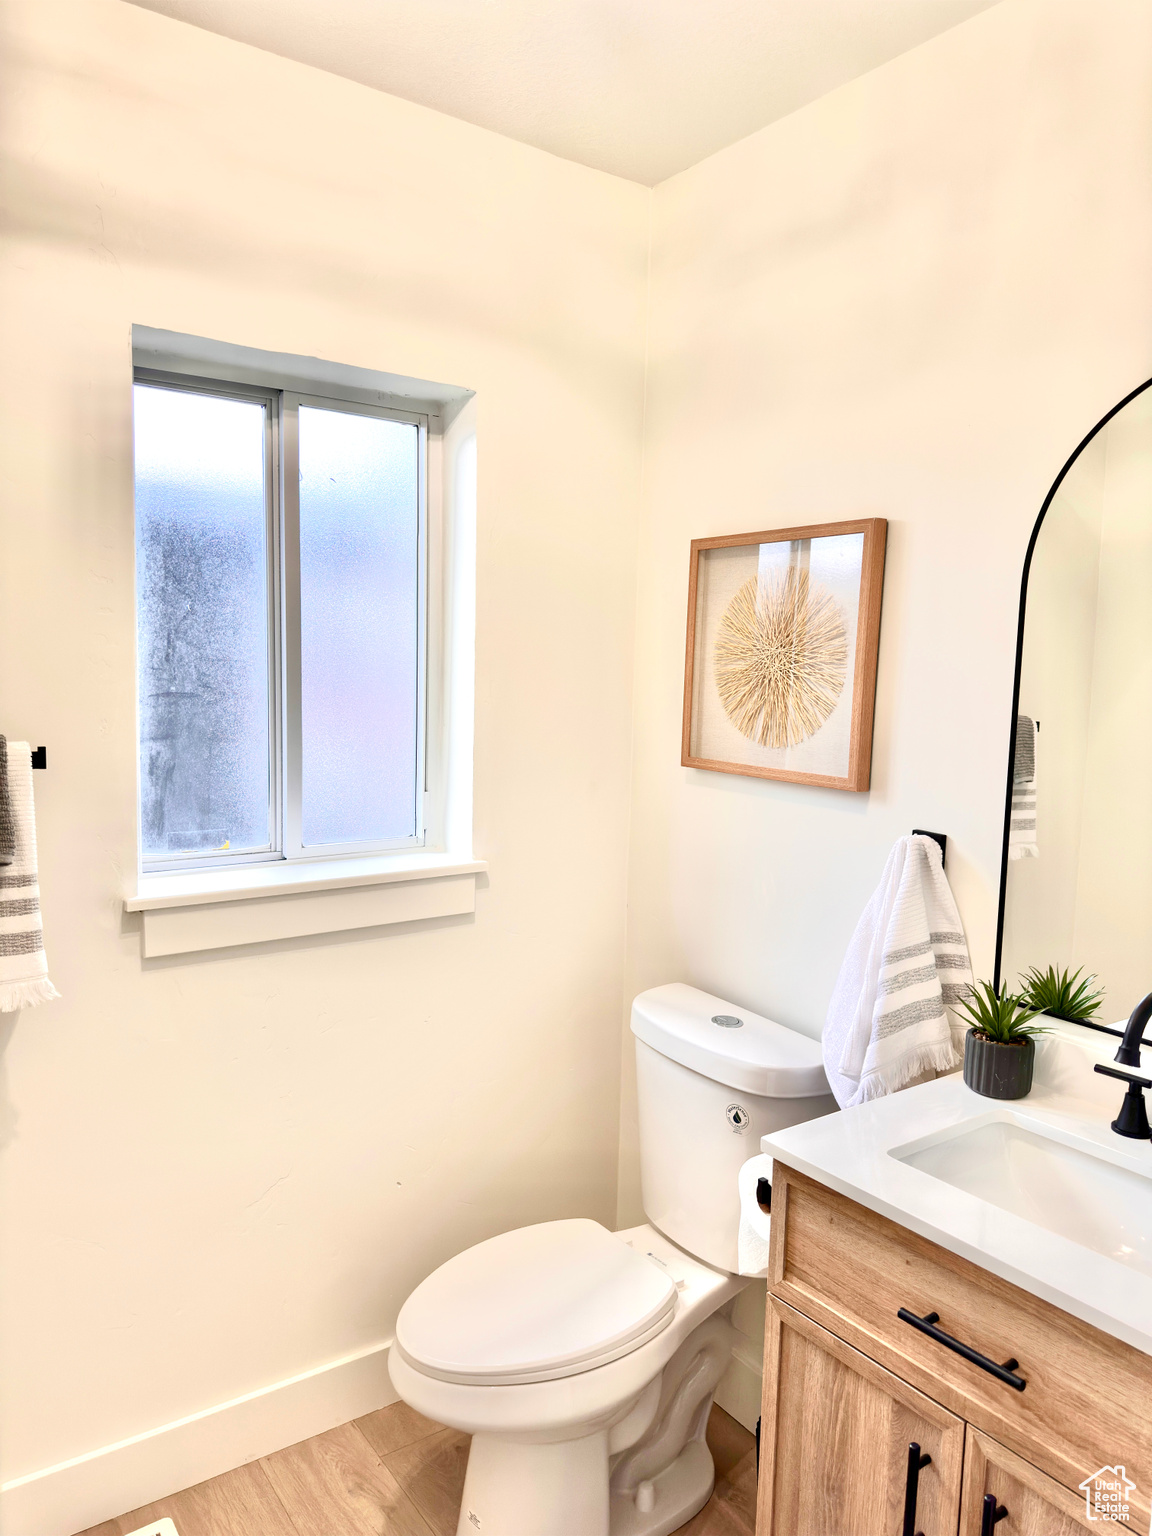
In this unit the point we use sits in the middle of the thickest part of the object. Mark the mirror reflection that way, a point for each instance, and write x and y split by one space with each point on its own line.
1078 893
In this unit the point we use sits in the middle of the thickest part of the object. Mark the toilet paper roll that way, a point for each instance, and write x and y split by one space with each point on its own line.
755 1224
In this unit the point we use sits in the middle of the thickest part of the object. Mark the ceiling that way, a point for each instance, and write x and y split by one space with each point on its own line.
640 88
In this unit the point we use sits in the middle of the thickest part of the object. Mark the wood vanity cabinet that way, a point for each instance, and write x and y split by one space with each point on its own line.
839 1457
849 1387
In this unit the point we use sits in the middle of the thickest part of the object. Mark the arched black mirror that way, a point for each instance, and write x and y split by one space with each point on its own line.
1076 876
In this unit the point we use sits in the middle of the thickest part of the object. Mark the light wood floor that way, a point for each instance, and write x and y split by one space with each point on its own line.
394 1473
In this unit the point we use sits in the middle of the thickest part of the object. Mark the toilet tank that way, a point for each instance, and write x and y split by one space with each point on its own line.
711 1079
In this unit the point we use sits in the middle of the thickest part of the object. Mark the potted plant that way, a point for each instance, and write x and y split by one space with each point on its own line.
1064 997
1000 1047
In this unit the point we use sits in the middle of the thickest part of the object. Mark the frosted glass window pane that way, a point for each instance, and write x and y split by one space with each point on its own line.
359 572
202 563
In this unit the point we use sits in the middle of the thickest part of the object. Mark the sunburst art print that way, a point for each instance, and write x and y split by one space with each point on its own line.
780 658
780 674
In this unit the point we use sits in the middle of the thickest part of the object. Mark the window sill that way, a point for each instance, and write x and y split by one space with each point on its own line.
251 904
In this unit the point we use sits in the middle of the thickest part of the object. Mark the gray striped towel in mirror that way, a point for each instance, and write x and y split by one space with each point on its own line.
23 965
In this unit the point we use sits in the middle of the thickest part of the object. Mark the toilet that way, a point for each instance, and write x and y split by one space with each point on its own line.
583 1361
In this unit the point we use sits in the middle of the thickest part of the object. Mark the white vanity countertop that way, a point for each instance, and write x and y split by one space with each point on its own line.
852 1152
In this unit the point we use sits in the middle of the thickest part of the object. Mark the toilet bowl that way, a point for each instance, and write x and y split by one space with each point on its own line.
582 1361
547 1423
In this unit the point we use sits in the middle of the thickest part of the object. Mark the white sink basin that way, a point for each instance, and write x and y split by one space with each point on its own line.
1021 1167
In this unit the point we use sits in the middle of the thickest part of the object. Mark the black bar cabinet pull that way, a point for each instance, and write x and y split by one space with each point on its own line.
993 1514
917 1461
1004 1373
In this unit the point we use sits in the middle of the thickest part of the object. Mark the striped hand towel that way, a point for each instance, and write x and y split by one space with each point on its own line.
889 1021
7 825
1022 822
23 966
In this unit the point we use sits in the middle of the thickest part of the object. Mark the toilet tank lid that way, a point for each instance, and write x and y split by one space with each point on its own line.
756 1055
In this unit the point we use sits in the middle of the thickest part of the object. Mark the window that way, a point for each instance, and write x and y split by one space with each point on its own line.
282 581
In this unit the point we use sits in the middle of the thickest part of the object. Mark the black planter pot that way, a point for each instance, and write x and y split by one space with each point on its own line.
998 1071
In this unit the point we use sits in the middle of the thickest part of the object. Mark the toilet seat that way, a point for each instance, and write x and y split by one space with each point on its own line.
534 1305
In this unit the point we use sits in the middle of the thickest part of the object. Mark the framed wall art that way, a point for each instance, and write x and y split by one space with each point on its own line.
780 664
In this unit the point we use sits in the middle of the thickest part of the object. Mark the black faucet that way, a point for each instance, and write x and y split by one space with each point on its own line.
1133 1117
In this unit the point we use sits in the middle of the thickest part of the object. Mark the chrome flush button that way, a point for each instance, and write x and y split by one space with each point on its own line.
727 1021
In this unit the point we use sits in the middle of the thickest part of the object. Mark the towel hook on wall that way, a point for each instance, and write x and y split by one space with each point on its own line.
39 757
937 837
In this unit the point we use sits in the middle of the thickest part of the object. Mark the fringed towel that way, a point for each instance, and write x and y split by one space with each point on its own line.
1022 823
23 966
907 965
7 825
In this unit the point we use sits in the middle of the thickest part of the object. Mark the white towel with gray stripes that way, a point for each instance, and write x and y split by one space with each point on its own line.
890 1020
23 966
1022 822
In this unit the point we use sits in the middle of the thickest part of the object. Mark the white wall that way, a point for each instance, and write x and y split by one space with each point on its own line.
909 300
228 1169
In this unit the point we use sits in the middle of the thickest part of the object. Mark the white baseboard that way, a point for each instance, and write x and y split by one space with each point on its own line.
739 1390
115 1479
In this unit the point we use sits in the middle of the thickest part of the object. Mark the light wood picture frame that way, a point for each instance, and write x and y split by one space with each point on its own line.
780 659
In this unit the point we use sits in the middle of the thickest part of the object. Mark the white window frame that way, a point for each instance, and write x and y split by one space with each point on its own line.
282 514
